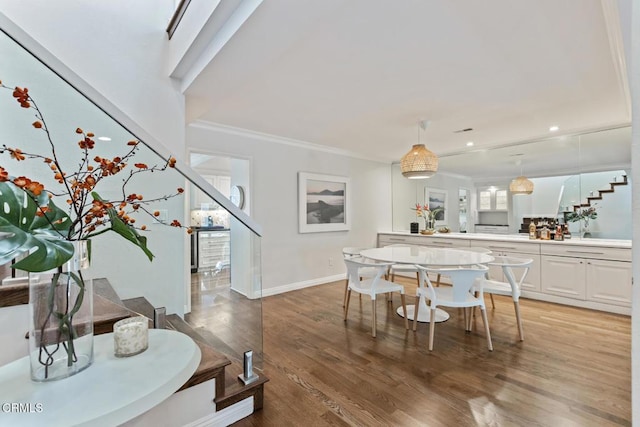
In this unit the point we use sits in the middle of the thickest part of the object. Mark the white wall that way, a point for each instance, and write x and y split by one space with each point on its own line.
291 259
407 193
119 48
634 79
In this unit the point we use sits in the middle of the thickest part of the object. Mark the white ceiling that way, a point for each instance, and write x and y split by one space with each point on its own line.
360 74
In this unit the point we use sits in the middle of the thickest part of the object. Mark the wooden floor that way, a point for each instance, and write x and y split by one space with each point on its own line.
573 369
228 321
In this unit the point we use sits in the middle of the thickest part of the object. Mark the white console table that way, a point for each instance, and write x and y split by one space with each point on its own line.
108 393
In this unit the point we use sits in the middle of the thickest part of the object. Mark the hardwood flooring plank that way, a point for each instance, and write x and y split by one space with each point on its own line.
573 369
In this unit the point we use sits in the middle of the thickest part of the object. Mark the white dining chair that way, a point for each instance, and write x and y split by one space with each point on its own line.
354 253
402 268
476 249
371 287
512 287
458 295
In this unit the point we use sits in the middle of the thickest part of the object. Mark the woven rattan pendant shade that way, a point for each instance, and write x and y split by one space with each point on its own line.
521 185
419 163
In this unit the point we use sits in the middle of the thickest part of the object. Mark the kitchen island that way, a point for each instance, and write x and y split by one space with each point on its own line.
589 273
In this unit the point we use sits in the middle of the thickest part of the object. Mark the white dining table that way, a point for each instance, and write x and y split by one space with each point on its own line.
426 257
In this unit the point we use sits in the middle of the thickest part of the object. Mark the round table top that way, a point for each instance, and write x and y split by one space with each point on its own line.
4 235
109 392
426 256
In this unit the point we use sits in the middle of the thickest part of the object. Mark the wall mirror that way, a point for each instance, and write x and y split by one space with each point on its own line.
566 171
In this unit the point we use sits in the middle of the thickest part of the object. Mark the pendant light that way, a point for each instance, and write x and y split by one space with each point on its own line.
520 184
419 162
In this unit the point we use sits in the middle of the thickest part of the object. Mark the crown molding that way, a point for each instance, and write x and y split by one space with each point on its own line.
231 130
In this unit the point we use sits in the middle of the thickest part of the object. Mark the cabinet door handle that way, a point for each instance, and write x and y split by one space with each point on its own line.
502 247
392 239
585 252
442 243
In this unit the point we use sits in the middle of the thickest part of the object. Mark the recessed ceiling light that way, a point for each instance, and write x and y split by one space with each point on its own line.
470 144
104 138
553 129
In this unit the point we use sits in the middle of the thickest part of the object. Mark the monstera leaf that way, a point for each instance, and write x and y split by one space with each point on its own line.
40 236
125 230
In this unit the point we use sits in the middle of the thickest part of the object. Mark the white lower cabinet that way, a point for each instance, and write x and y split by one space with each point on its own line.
590 276
609 281
563 276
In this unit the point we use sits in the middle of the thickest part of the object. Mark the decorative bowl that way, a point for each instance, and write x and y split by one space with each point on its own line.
444 230
428 232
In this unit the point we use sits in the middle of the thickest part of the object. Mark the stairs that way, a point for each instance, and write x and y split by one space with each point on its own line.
600 193
109 308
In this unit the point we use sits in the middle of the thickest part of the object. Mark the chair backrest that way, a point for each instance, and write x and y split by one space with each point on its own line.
351 252
354 266
508 263
462 279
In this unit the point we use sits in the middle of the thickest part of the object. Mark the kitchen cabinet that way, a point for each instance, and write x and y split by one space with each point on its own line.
609 281
221 183
493 199
213 248
564 277
574 273
591 273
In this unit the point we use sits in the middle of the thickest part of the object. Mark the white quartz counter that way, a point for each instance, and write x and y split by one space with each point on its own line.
522 238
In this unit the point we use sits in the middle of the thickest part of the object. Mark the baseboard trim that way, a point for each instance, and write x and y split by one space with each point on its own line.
227 416
301 285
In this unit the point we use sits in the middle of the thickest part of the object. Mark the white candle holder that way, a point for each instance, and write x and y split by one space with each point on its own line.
130 336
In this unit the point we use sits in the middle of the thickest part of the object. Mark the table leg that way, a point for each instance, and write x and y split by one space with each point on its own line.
424 313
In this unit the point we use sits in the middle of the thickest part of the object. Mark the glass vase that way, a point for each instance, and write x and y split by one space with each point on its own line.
61 319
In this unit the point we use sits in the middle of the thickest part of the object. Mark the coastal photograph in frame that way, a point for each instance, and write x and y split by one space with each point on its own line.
323 203
437 198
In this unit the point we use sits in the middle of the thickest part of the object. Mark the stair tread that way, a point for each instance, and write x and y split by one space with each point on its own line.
140 306
235 390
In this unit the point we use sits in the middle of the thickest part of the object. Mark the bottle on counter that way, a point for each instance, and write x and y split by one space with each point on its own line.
566 233
532 230
559 233
545 233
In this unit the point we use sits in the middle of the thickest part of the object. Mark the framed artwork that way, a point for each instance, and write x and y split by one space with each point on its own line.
323 203
437 198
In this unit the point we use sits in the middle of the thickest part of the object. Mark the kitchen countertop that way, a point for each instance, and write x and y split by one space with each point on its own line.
523 238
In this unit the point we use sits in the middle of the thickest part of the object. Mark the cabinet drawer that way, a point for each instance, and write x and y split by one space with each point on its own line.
391 239
443 242
615 254
498 246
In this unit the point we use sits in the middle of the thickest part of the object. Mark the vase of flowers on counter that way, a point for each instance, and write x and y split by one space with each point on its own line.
583 215
429 216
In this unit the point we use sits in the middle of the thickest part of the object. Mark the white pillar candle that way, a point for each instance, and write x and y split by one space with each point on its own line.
130 336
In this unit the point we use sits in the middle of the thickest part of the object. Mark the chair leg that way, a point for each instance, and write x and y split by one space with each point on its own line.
486 328
346 289
373 318
418 279
438 280
404 310
466 320
493 303
346 304
432 328
415 313
519 320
